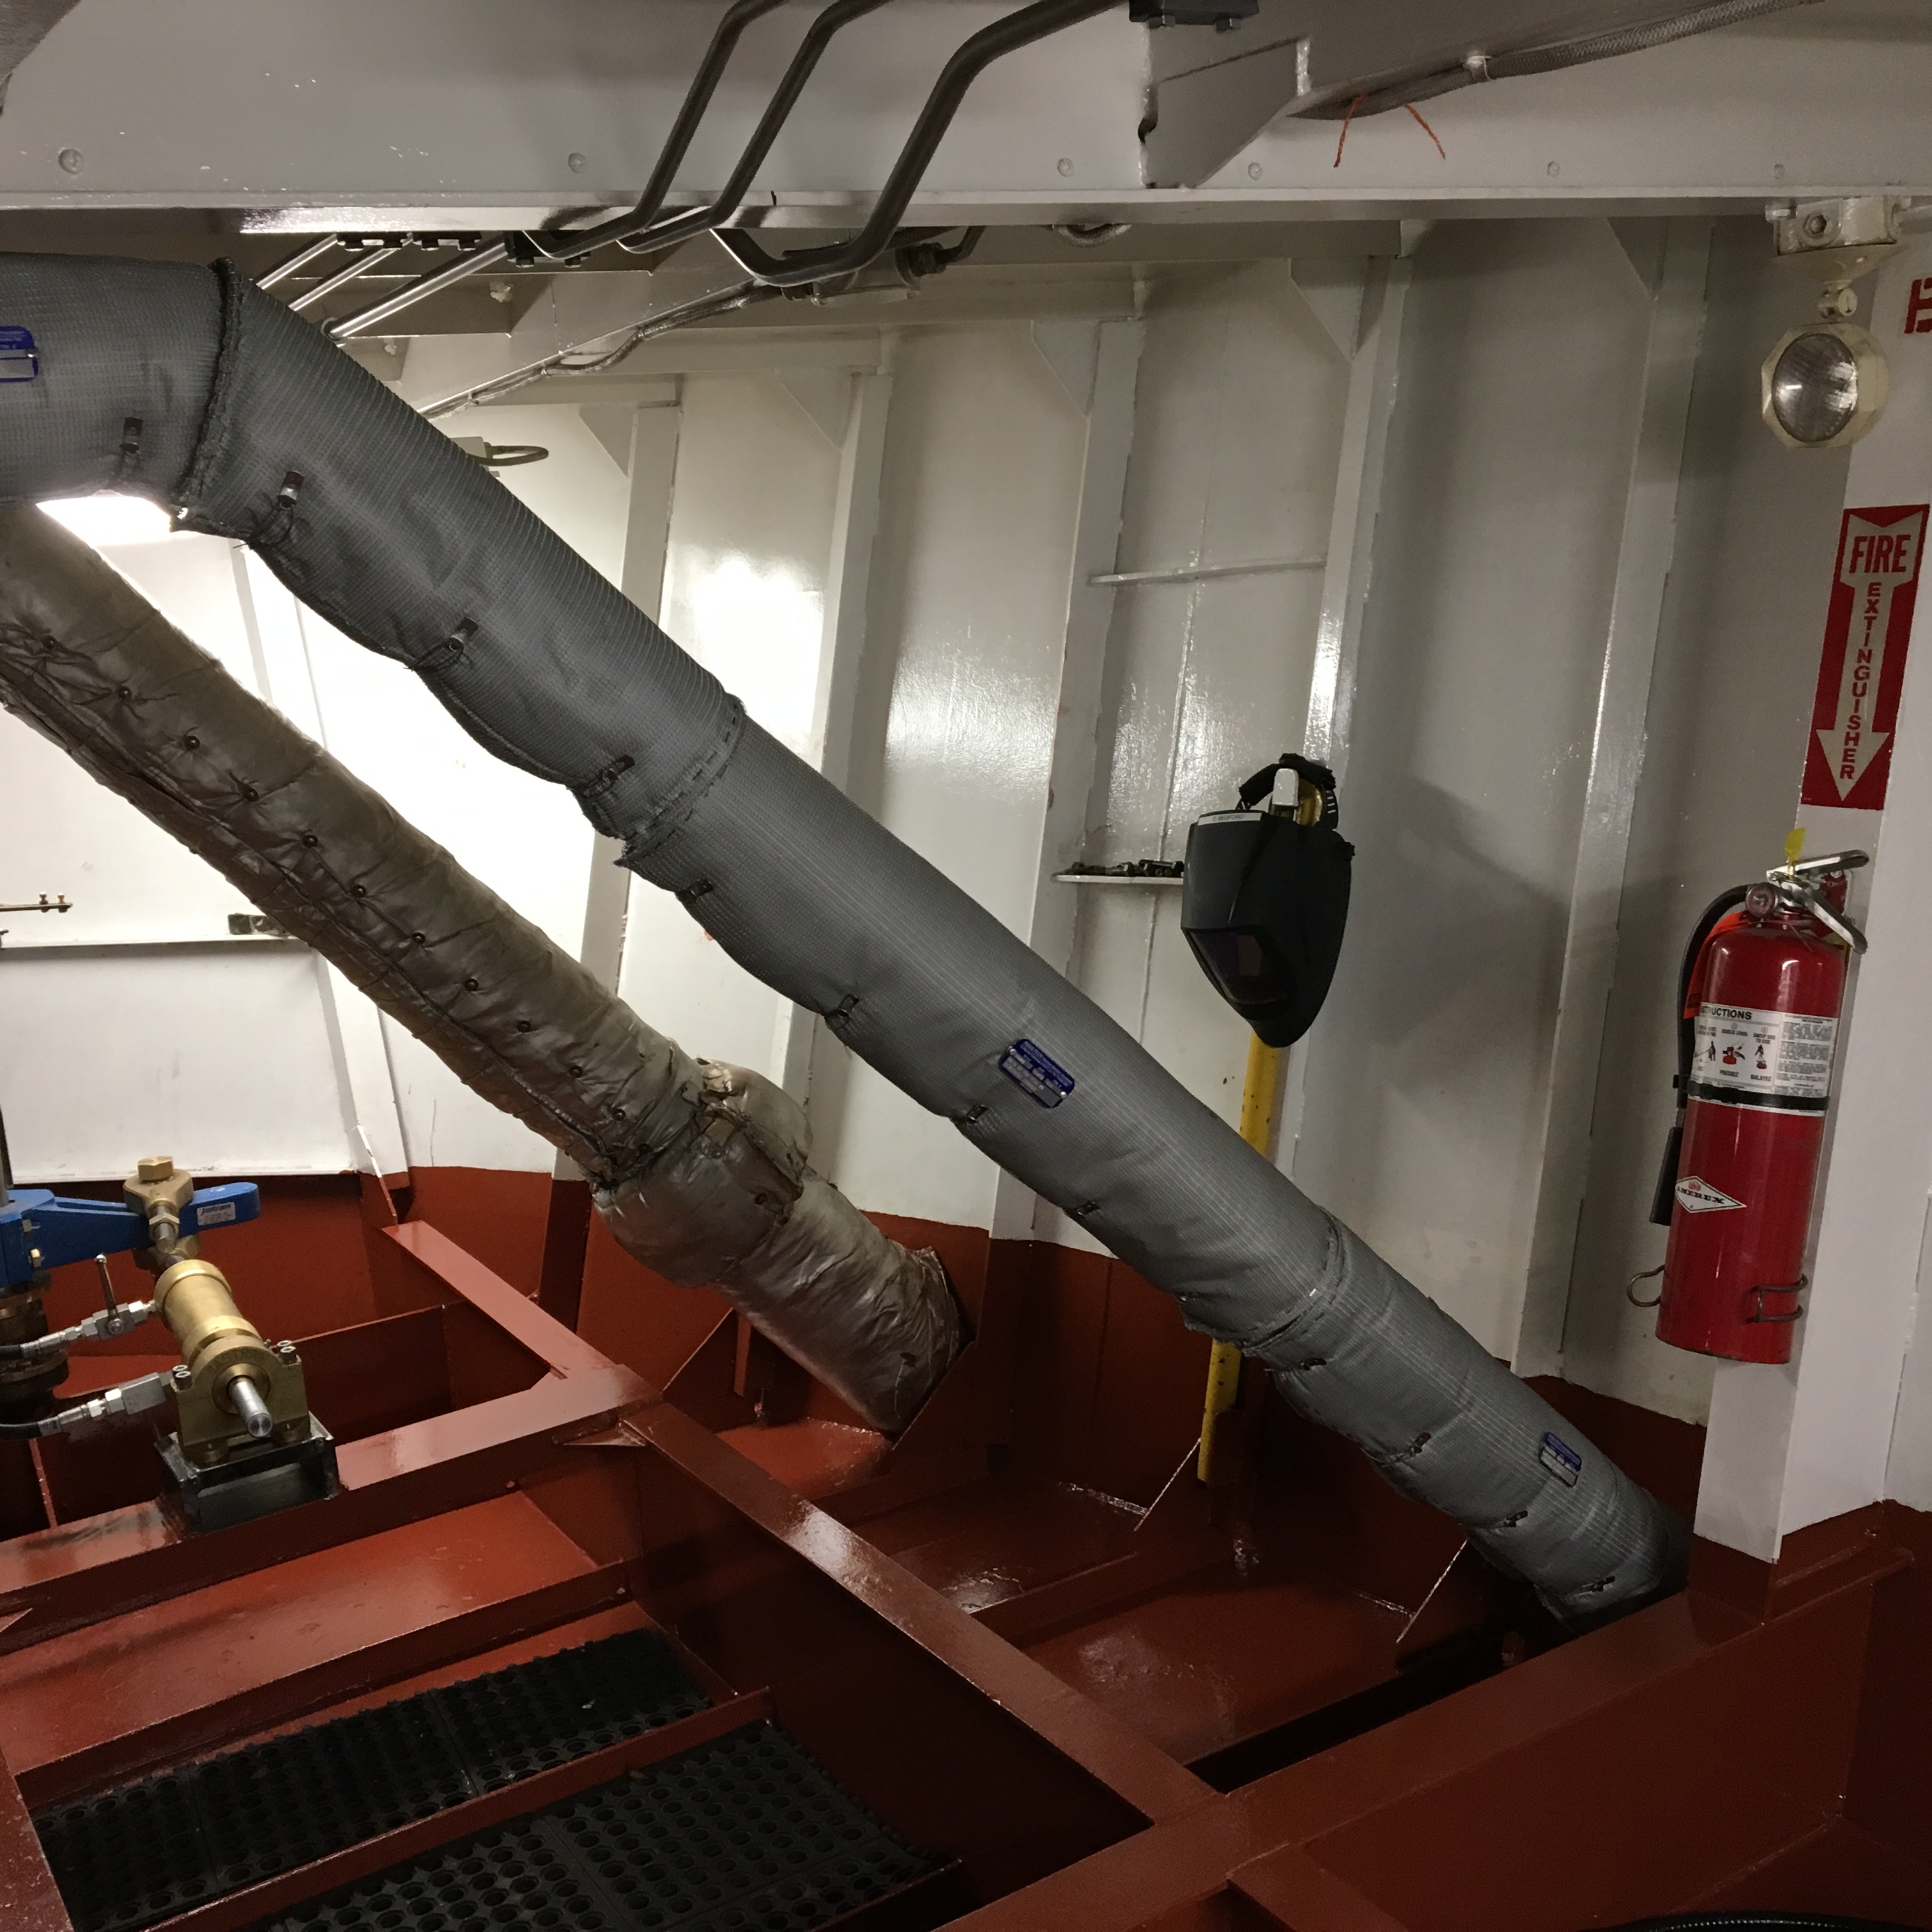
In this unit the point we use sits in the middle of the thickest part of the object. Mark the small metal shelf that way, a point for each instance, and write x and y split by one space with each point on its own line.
1157 879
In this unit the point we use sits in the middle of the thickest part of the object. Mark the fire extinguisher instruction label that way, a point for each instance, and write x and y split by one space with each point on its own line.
1748 1057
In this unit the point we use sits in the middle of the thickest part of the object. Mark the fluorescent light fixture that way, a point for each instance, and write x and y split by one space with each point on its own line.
108 521
403 218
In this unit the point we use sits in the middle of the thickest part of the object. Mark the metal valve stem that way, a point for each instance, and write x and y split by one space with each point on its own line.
247 1401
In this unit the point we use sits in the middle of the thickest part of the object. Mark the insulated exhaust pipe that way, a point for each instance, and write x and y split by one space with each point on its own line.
700 1171
194 389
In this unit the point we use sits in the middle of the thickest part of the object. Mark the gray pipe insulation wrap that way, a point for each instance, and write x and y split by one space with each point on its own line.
193 389
701 1170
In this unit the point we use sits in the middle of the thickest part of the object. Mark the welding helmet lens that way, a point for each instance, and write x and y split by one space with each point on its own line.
1247 965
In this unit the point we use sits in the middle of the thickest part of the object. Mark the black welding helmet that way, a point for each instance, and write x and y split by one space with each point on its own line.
1264 897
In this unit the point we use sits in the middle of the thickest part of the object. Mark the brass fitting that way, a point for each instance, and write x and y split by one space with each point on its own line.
158 1192
220 1346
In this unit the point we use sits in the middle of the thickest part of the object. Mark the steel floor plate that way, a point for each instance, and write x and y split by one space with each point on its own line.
142 1852
743 1834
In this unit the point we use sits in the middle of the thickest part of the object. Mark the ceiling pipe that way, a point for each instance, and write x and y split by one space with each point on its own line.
971 59
677 144
366 261
730 198
684 129
639 230
293 265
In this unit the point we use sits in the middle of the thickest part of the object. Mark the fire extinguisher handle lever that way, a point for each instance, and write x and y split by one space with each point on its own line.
1792 882
1820 867
1827 915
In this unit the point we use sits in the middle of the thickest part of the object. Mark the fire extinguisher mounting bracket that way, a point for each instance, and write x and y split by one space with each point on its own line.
1797 1287
1630 1295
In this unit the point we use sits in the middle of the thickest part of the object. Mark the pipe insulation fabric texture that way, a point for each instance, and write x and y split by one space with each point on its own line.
699 1170
256 426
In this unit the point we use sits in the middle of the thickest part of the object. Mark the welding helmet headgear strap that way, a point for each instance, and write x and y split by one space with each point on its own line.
1258 789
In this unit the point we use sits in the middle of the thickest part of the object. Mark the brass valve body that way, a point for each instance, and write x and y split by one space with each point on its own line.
219 1343
158 1192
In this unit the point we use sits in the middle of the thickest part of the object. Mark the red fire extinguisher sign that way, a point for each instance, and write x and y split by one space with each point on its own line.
1861 670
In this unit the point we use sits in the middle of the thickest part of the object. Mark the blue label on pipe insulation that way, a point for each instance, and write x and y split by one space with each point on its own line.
19 360
1036 1074
1561 1460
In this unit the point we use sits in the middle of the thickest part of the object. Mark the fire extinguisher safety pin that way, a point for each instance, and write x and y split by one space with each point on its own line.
1629 1288
1797 1287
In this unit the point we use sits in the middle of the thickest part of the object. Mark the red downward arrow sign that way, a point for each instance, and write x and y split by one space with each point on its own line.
1862 666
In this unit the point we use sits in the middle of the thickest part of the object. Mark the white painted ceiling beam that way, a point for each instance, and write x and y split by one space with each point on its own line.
476 112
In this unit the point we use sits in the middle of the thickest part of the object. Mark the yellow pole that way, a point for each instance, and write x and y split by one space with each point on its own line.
1224 1363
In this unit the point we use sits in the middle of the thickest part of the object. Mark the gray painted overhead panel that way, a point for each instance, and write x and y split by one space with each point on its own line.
371 517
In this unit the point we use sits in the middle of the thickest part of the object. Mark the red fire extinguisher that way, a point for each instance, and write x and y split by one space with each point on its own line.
1760 996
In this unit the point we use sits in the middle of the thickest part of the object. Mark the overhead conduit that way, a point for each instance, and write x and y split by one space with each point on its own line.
701 1170
192 388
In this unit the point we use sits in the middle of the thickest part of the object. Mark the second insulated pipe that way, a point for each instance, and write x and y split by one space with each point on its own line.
700 1171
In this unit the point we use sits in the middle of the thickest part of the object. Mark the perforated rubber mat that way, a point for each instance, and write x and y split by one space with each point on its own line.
143 1851
745 1834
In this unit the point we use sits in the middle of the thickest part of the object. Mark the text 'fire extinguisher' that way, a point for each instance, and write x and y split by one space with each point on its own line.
1760 994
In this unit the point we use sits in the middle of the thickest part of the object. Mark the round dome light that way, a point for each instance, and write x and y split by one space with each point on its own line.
1814 388
1823 386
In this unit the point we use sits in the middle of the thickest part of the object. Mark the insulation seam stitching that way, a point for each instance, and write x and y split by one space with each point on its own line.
685 795
212 442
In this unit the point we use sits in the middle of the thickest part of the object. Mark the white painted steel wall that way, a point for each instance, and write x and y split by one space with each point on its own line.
1481 656
953 729
749 549
1844 1424
133 1022
1729 707
1236 436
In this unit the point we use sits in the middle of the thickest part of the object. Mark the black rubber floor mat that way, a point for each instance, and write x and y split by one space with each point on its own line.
143 1851
745 1834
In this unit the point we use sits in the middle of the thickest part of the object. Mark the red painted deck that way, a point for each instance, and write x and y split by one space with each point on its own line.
1010 1633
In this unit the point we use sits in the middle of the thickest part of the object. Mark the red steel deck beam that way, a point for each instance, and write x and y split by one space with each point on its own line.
57 1580
62 1578
1137 1771
117 1760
